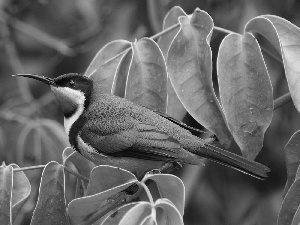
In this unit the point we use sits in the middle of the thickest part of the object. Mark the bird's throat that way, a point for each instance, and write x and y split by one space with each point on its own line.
72 103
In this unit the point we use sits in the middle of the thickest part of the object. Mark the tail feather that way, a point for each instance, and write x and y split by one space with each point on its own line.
232 160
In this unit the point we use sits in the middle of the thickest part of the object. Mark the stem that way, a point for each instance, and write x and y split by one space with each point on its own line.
163 32
76 174
147 192
29 168
43 166
282 100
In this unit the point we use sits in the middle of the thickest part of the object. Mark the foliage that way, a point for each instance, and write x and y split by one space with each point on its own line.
174 76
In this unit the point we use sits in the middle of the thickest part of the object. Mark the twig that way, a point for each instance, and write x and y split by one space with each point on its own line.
43 166
29 168
163 32
76 174
282 100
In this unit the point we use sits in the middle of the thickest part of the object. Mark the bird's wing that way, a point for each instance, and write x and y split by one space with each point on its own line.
193 130
141 141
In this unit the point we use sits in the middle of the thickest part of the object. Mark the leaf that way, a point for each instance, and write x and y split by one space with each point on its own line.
147 79
119 84
105 182
171 213
107 52
115 216
114 178
142 214
6 186
51 206
174 108
290 204
285 37
21 191
189 66
245 91
103 67
83 165
170 19
292 159
136 214
296 219
170 187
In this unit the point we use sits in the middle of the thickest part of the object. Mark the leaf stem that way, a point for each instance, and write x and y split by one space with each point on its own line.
163 32
76 174
43 166
29 168
282 100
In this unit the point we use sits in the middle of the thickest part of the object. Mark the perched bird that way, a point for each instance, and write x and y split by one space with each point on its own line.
108 129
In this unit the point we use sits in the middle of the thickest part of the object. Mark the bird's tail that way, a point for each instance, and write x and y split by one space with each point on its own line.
232 160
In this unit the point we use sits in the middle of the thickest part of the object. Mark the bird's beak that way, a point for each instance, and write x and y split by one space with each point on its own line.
45 80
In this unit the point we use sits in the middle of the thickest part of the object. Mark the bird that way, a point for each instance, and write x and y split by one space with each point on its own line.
105 128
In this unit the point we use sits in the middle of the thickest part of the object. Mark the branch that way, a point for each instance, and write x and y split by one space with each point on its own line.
282 100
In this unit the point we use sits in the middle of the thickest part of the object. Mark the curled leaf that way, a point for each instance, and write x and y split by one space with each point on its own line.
170 187
285 37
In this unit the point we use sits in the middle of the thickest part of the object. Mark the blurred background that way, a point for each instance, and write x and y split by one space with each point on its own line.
55 37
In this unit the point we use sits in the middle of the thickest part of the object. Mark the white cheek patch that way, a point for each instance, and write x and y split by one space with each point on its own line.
67 95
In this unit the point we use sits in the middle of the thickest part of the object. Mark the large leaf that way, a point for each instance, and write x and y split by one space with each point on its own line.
51 206
6 186
170 187
290 204
21 191
285 37
175 108
119 83
147 78
103 67
189 66
292 158
245 91
114 177
105 183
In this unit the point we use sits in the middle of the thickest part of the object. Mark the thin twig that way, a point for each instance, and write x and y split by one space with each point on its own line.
29 168
163 32
282 100
76 174
43 166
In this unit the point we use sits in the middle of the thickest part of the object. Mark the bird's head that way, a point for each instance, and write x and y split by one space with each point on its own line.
72 90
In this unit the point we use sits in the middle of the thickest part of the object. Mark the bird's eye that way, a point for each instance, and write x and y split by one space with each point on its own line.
72 83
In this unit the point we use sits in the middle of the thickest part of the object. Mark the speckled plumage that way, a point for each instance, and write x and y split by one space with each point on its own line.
111 130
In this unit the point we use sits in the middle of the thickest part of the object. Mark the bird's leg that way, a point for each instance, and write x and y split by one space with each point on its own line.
166 168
